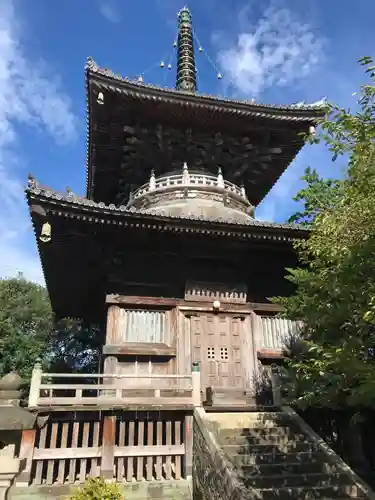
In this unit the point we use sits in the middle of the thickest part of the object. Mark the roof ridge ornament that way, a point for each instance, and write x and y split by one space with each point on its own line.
320 103
185 174
152 182
220 178
91 64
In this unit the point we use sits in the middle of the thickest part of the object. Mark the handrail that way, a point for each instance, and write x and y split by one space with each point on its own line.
329 453
114 387
116 376
213 474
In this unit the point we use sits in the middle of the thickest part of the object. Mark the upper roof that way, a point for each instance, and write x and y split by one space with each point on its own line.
135 127
300 111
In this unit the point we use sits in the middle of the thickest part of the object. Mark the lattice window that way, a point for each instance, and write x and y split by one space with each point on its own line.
211 353
224 353
142 325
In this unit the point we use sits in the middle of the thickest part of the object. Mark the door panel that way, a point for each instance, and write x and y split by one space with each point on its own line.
216 345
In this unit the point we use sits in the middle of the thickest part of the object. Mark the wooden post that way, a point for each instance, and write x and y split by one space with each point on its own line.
26 456
276 385
36 380
107 470
196 384
188 445
110 362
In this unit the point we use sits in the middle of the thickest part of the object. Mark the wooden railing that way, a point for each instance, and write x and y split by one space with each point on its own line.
127 447
114 390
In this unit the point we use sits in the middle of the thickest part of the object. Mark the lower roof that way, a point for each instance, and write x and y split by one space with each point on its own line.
86 237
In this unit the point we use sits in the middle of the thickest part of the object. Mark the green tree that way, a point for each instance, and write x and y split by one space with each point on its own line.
335 285
319 195
28 332
25 325
74 347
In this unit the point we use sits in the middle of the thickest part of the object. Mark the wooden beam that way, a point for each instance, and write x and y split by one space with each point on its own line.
145 402
270 354
139 300
136 300
96 451
173 404
140 349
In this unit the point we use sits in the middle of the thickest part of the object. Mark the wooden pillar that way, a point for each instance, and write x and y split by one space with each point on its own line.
196 384
188 445
36 380
112 333
257 335
26 456
107 470
276 385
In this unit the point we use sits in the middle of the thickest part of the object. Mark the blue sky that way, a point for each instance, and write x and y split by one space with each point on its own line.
275 51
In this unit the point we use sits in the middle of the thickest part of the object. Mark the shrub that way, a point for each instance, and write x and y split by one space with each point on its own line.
98 489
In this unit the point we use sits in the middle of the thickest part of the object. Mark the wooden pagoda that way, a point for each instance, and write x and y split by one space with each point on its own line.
164 250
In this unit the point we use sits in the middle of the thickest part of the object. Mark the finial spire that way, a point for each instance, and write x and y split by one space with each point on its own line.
186 72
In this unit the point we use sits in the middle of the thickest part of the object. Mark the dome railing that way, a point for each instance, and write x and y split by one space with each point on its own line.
186 179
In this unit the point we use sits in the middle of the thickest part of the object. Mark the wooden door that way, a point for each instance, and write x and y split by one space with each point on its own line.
216 345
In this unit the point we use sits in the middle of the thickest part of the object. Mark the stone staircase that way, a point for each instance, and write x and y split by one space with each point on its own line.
275 459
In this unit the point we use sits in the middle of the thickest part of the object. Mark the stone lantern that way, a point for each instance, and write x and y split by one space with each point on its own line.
14 420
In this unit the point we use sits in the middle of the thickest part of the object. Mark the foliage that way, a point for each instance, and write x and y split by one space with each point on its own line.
319 195
25 324
98 489
74 347
335 286
28 333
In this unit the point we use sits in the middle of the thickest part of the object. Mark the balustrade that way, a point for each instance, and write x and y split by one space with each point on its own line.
186 179
116 390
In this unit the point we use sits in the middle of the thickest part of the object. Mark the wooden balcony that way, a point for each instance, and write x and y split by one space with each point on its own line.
55 391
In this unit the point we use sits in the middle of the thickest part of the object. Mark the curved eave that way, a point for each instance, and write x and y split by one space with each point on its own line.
107 79
83 233
98 79
59 204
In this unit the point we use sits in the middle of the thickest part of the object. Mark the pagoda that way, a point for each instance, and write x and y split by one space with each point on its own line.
163 250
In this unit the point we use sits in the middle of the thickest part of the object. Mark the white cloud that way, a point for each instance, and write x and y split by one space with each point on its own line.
29 96
278 50
109 10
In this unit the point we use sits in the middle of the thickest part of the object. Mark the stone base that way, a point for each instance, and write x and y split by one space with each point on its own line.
223 397
152 490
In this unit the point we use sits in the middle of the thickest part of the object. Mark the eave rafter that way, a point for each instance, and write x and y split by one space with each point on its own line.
46 203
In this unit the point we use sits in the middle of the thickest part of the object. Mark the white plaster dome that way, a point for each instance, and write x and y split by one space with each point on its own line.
197 195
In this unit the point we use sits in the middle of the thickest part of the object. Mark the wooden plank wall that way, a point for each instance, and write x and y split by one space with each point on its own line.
151 325
277 332
147 446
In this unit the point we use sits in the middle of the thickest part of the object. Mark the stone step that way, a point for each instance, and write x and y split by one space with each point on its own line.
239 459
294 480
262 432
261 449
307 493
275 469
240 420
249 439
